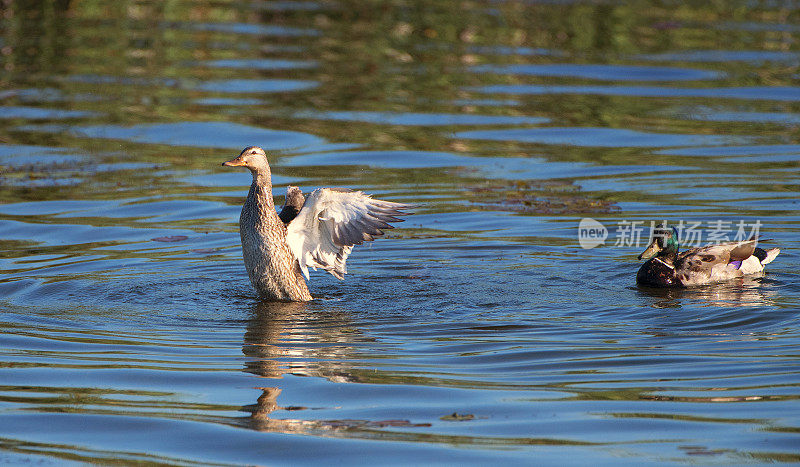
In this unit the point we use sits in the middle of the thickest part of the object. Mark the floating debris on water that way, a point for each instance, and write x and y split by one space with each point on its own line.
537 197
457 417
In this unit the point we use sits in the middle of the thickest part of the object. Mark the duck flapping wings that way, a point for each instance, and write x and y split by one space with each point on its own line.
332 221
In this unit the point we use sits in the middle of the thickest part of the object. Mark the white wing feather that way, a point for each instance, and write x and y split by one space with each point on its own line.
331 222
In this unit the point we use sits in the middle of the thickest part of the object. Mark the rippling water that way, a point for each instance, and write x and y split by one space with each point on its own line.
480 331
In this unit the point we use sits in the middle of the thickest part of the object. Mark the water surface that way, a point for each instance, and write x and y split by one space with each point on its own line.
479 331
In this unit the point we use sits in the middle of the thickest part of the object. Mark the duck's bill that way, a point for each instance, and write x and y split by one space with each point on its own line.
651 251
234 163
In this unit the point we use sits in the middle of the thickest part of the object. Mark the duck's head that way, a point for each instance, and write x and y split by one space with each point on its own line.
665 243
252 157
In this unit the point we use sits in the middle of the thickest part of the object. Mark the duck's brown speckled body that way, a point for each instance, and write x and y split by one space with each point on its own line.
699 266
318 232
269 262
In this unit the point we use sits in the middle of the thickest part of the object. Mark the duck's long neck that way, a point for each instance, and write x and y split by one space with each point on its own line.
261 189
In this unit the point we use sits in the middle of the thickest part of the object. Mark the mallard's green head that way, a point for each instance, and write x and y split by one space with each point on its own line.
665 243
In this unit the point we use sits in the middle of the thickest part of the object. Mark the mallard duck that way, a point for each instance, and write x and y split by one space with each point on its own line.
698 266
318 231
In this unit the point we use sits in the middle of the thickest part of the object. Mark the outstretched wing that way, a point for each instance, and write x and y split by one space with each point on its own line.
331 222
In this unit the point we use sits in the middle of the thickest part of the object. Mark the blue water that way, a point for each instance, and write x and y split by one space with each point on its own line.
479 331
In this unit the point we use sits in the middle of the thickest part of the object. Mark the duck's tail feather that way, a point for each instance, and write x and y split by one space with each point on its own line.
755 263
769 255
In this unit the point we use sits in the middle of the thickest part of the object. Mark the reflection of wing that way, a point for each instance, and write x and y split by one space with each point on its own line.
331 222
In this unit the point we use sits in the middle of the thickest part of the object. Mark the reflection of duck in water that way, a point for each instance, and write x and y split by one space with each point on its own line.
269 354
277 250
278 332
276 343
699 266
736 293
